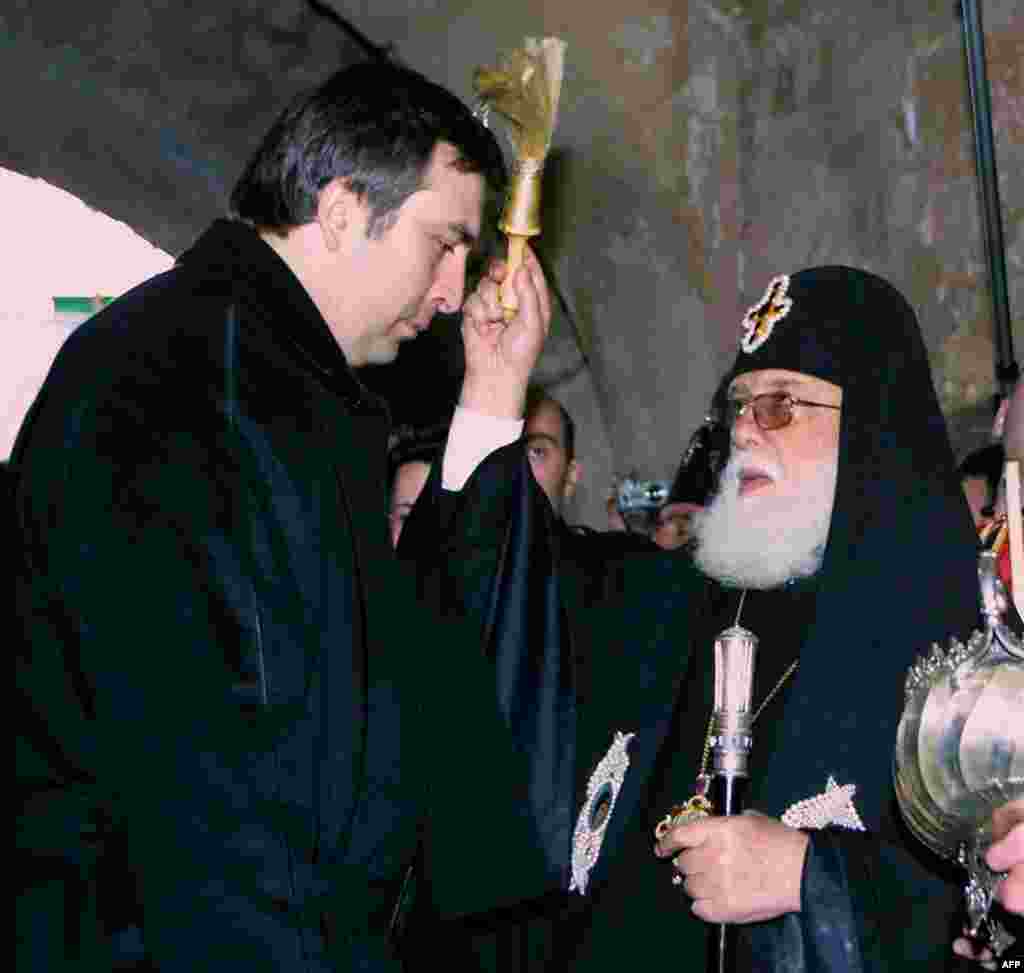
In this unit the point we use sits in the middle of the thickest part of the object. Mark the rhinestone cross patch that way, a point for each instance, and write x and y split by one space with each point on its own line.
602 792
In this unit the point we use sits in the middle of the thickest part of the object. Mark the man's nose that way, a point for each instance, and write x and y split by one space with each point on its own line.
745 430
451 282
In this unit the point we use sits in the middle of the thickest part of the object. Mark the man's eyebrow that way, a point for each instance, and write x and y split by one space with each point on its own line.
775 385
543 435
464 233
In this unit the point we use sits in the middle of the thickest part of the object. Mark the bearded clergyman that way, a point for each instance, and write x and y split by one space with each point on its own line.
838 536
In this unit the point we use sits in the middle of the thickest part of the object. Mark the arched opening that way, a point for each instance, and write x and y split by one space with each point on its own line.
62 260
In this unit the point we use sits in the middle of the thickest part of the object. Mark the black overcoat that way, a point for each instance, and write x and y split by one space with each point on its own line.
228 710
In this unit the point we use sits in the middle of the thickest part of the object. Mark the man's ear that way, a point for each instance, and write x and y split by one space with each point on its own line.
335 212
572 478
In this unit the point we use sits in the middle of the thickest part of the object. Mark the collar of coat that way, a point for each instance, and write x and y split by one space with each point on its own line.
234 251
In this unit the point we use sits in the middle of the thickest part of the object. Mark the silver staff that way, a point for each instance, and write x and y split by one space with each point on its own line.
731 738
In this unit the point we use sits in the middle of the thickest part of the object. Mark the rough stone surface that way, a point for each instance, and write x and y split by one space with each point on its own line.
702 147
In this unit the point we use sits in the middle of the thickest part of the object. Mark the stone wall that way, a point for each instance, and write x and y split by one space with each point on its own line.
702 147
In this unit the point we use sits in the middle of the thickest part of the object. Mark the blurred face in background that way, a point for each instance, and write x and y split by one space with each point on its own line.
675 525
556 472
406 487
977 493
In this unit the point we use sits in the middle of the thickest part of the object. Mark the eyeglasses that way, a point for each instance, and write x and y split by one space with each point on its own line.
772 410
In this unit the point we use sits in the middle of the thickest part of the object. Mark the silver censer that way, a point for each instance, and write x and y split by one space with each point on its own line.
960 748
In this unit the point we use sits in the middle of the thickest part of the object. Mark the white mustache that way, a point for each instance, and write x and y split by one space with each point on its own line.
743 465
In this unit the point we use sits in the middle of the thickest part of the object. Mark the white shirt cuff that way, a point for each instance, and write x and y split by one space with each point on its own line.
472 437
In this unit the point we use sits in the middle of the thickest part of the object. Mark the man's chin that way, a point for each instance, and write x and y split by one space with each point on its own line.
385 351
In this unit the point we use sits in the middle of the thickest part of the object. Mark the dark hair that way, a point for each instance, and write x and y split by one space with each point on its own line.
411 445
374 125
535 398
984 464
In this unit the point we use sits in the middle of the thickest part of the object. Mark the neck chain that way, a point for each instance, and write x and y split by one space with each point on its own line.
698 806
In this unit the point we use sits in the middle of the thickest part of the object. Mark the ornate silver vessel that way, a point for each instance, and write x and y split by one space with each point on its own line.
960 747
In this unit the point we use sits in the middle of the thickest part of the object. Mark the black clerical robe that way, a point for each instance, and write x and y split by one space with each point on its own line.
898 572
639 627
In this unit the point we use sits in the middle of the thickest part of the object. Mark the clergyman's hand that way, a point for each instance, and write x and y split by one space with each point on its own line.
972 949
1005 855
500 354
745 868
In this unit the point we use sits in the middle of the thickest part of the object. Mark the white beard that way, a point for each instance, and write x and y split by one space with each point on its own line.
763 541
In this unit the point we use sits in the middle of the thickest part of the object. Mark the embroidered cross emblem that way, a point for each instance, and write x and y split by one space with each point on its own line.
760 319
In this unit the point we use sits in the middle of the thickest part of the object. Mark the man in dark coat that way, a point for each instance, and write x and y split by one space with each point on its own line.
226 719
840 469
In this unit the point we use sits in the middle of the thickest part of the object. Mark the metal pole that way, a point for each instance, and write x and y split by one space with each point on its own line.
1007 369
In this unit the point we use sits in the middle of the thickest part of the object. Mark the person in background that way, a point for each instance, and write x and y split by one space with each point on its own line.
550 435
695 482
409 460
980 474
993 528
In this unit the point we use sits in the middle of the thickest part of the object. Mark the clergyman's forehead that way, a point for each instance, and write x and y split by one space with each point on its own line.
758 381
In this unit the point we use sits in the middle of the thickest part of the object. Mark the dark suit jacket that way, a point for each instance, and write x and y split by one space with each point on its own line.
229 714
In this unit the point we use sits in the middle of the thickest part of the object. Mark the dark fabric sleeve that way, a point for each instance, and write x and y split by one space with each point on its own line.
457 538
486 559
146 764
825 935
867 906
901 899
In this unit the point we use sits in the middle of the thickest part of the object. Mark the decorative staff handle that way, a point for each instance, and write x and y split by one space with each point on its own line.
520 221
731 740
509 298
